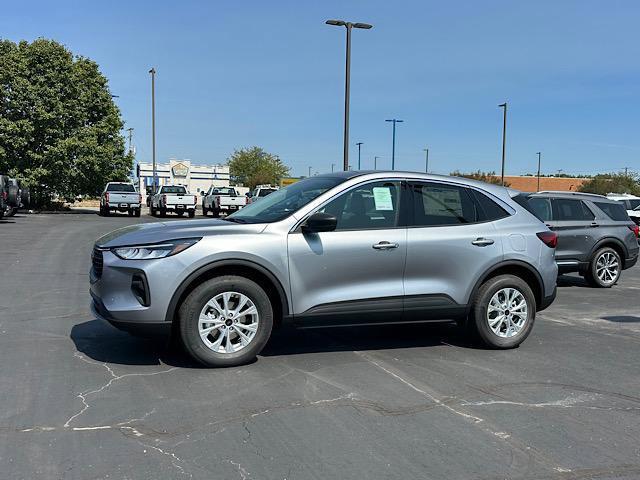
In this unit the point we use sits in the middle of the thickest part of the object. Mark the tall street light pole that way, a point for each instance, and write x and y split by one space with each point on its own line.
375 163
309 171
153 126
426 160
333 165
348 26
538 189
359 144
504 139
393 142
130 130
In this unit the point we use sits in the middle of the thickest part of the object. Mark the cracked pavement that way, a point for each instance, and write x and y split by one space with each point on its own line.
83 400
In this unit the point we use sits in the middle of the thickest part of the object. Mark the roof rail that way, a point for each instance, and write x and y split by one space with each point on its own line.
572 193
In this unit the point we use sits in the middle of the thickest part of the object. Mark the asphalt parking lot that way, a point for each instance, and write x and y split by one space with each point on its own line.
81 400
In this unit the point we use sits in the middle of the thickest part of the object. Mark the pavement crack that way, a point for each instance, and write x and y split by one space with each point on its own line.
241 470
83 396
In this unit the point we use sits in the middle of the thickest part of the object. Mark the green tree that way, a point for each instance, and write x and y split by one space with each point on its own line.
612 183
253 166
59 127
488 177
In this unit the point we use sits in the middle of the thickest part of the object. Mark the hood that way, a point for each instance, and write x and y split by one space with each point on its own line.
148 233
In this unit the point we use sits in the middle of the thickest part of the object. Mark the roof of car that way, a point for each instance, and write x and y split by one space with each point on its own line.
581 195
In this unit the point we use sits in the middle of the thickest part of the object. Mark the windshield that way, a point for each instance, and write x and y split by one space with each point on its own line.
224 191
120 187
263 192
282 203
175 189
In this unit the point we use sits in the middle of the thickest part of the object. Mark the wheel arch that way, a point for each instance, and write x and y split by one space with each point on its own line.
612 242
245 268
521 269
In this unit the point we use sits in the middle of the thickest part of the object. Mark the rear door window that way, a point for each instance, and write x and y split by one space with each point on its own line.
569 210
436 204
541 208
489 210
614 211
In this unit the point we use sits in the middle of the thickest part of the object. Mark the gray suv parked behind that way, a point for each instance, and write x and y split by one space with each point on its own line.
346 248
596 237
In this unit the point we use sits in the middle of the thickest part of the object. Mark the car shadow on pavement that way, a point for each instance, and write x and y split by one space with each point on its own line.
622 318
571 281
105 344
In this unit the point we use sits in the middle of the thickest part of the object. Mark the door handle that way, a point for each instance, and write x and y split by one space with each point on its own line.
482 242
385 246
594 224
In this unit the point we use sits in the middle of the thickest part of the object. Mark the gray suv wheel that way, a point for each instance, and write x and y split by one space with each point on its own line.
226 321
503 312
604 268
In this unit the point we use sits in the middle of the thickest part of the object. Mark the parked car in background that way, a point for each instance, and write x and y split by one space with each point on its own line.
120 197
173 198
222 200
10 191
631 204
260 191
596 237
338 249
20 197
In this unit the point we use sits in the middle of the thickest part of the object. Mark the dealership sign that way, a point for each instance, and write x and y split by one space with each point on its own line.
180 170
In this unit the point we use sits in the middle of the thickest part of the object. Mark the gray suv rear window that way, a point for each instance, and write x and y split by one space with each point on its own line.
614 211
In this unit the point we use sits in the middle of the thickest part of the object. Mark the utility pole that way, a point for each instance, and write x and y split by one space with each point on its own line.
393 142
130 130
504 139
309 171
359 144
538 189
426 161
375 163
153 126
347 81
333 165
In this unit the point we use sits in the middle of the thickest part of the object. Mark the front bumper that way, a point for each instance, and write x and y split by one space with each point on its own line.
146 329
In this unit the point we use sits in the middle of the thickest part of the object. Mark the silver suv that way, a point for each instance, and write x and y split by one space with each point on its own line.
347 248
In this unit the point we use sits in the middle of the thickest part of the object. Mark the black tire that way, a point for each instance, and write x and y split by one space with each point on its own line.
105 211
130 212
192 213
591 275
137 212
479 322
189 314
204 210
180 214
13 196
11 211
163 212
215 213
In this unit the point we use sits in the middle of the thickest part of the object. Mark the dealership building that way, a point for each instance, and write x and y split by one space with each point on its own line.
195 178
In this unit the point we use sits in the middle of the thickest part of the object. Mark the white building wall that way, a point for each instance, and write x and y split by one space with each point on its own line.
195 178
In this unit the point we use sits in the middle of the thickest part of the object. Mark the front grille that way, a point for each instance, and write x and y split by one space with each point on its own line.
96 261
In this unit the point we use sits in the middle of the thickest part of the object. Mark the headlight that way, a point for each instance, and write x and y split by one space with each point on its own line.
160 250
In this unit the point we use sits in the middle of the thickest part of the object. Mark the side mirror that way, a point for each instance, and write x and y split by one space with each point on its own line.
320 222
202 192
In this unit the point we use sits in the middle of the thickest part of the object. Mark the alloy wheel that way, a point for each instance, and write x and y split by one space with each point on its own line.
607 268
228 322
507 312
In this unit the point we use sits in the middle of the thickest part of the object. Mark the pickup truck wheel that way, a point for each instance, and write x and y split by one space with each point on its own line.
215 213
192 213
503 312
604 269
180 214
204 210
226 321
105 211
137 212
163 212
130 212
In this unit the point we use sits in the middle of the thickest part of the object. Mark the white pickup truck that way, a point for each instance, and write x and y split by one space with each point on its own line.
121 197
631 204
222 199
173 198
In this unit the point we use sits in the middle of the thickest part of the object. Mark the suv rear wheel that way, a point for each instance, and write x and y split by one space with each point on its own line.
226 321
503 312
604 268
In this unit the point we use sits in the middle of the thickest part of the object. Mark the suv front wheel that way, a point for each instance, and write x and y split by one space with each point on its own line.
604 268
226 321
503 312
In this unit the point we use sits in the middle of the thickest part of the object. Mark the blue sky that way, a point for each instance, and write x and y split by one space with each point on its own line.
270 73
